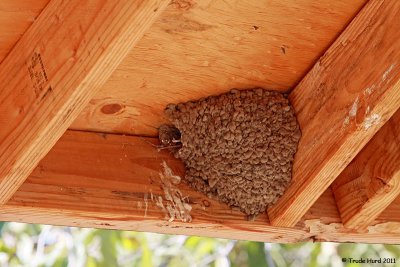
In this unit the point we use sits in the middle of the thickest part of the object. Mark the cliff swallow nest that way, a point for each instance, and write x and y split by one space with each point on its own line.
237 147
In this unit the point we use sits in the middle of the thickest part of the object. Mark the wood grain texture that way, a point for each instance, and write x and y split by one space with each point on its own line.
199 48
54 71
371 182
104 181
341 104
205 47
15 18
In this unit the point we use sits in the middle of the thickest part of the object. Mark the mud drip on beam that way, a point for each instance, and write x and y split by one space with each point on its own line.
92 180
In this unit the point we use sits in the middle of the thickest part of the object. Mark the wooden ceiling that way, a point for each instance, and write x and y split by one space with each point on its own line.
95 178
200 48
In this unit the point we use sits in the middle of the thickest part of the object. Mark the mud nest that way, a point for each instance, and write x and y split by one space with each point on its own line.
237 147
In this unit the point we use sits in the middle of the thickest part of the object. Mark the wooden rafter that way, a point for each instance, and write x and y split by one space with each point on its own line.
341 103
55 69
372 180
112 181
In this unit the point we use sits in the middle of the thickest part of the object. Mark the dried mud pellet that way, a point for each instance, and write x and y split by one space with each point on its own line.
238 147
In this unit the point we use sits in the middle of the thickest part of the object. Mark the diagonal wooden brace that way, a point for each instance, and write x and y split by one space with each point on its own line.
55 69
341 103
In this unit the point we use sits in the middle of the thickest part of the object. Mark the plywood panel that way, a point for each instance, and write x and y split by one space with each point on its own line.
200 48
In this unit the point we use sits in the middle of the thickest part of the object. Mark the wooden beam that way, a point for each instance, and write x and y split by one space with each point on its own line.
55 69
112 182
341 103
372 180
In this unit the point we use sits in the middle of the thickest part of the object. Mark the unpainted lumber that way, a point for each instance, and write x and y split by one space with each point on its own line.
55 69
371 182
113 182
341 103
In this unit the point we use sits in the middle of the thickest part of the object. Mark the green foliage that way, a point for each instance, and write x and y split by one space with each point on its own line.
43 245
109 253
256 254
